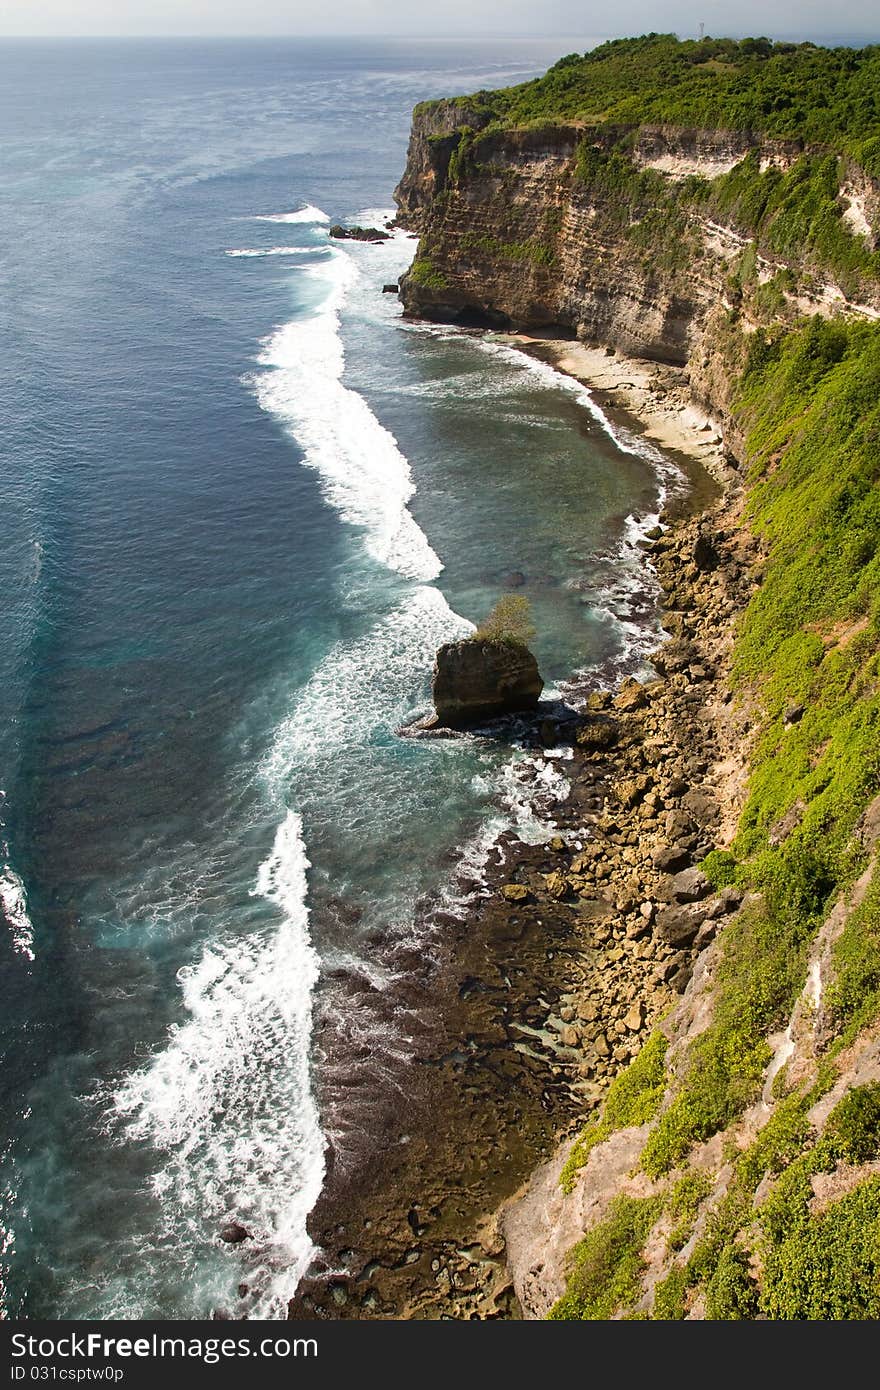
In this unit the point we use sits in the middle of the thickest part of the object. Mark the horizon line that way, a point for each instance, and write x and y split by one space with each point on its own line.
481 35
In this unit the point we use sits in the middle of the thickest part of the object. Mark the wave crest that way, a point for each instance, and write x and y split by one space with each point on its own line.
363 473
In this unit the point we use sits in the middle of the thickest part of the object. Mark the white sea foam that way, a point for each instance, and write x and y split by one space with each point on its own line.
13 899
363 473
531 788
363 685
306 214
527 790
228 1100
256 253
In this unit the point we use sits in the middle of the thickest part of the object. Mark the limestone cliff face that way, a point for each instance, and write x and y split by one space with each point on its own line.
515 233
431 143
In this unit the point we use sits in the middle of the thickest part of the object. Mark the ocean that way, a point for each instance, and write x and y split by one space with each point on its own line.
243 502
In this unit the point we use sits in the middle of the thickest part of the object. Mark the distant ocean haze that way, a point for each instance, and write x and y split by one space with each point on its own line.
244 502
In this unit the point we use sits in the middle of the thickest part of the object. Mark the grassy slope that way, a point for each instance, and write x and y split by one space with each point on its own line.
810 407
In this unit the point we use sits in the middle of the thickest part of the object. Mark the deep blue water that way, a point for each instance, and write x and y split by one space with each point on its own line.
242 505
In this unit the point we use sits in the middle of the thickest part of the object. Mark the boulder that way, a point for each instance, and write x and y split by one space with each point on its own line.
635 1017
234 1233
556 884
730 897
670 858
629 791
689 886
705 555
678 827
390 289
480 678
678 926
673 656
598 700
596 732
514 892
630 697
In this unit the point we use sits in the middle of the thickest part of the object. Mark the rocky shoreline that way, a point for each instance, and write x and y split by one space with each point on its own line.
560 966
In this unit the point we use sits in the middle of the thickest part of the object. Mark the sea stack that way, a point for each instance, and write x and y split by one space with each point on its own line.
481 678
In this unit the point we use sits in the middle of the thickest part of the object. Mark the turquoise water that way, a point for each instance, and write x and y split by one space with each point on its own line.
243 504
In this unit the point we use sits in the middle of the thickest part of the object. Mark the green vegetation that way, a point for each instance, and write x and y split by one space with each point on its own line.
853 1128
539 253
633 1098
423 272
607 1264
461 161
825 96
853 997
683 1204
793 212
825 1265
760 975
720 868
792 208
642 207
783 1137
510 621
731 1292
670 1296
809 641
811 634
811 408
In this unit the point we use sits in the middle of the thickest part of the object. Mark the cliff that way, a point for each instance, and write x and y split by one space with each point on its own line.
638 235
732 1170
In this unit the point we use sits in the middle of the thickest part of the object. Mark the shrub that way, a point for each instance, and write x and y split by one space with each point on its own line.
670 1297
760 973
731 1293
853 997
423 272
853 1128
510 621
827 1266
684 1203
719 866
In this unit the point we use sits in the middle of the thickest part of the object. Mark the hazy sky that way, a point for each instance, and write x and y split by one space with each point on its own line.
778 18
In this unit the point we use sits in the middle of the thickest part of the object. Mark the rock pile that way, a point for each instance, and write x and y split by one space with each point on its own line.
340 233
644 812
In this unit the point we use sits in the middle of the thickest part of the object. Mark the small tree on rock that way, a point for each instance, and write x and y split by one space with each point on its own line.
510 621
